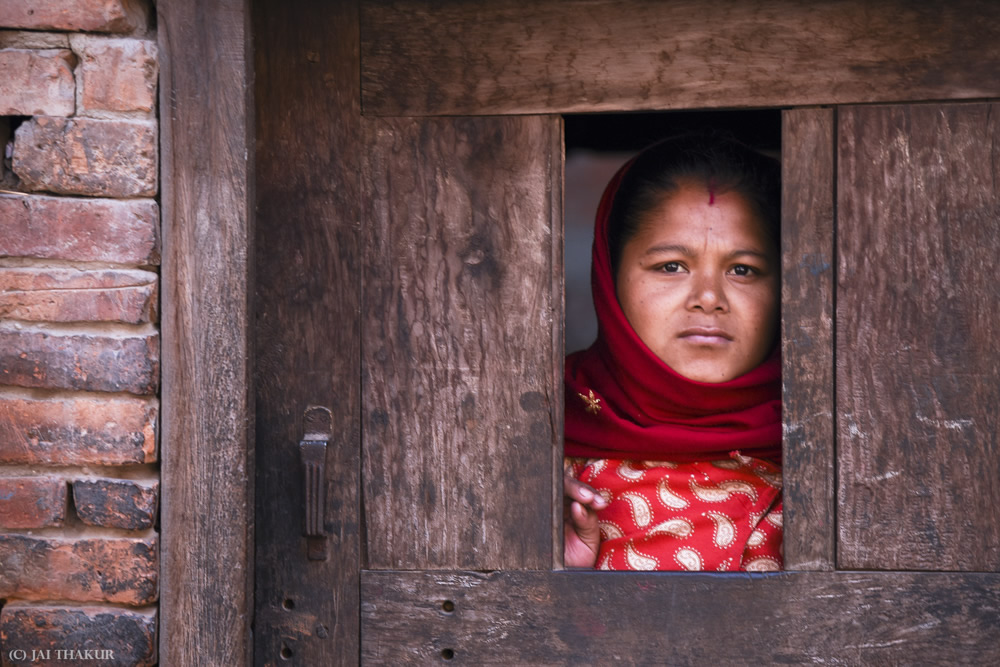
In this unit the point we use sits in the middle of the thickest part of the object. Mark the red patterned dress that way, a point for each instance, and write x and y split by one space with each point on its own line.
714 515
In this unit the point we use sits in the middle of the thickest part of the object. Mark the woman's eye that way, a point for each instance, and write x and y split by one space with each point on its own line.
671 267
744 270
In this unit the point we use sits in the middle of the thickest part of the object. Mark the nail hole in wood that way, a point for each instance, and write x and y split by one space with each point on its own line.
286 653
448 606
288 603
447 654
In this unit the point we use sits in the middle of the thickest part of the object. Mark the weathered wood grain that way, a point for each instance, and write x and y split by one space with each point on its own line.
807 337
421 57
206 516
598 618
458 317
918 338
308 290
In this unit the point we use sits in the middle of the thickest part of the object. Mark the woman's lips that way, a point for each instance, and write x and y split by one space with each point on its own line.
705 336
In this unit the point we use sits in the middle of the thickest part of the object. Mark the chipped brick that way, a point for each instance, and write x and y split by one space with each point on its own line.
96 569
37 83
116 503
32 502
72 295
90 230
85 361
77 431
115 636
84 156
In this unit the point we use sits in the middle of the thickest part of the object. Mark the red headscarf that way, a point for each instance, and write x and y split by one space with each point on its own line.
622 401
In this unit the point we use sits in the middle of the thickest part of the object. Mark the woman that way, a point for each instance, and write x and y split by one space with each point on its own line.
673 416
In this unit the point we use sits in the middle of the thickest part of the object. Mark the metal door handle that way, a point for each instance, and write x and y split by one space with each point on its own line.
317 423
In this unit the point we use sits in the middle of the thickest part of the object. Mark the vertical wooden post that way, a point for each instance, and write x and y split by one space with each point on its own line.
206 517
807 230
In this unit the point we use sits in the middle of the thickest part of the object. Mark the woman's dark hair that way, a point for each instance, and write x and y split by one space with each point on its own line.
718 161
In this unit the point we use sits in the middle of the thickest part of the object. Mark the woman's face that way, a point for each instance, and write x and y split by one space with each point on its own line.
700 285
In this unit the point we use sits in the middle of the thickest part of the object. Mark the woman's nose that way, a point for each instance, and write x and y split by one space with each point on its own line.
707 294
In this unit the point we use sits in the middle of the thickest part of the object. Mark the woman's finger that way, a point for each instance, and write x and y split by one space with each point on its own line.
582 493
585 524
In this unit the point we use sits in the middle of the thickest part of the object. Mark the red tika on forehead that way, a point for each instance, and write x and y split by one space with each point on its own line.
711 191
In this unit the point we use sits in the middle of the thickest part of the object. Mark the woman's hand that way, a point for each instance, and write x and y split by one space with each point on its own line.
581 535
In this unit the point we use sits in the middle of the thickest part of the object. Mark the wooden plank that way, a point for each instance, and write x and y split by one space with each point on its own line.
807 338
421 57
918 340
458 351
308 287
206 516
560 618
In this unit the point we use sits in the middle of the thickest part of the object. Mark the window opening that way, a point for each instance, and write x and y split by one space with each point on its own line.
700 512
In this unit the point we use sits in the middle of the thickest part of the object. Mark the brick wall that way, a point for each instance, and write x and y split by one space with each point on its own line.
79 342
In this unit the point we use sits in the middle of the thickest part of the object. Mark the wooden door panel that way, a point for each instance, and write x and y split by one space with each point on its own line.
807 337
918 337
600 618
461 347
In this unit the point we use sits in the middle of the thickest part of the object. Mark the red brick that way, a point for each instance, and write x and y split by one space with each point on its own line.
84 156
32 502
116 503
76 15
116 74
89 230
37 83
72 295
129 635
77 431
92 569
79 361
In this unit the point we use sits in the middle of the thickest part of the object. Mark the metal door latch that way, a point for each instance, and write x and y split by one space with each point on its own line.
317 423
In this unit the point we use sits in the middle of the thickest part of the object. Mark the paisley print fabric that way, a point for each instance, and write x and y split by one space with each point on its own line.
718 516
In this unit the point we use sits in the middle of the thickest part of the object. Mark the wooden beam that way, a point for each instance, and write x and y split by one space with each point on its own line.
206 584
421 57
559 618
807 337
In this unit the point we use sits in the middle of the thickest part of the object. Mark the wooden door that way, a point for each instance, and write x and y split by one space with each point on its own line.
409 280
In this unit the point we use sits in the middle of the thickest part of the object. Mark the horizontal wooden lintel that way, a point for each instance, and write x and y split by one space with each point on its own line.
421 57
